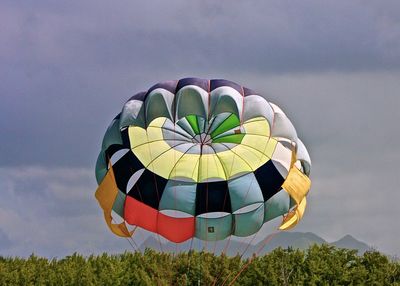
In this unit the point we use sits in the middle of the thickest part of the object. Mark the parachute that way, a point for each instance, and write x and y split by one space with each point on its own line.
205 159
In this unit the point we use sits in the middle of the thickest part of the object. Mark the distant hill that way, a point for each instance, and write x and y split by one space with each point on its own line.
299 240
350 242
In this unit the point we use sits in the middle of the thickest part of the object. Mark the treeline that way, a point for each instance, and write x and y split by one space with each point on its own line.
318 265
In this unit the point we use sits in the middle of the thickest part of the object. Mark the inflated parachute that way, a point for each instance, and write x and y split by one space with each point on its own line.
201 158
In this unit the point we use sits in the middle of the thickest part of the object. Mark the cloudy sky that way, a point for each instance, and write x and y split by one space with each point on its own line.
66 68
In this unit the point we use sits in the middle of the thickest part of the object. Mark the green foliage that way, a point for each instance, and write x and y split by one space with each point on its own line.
318 265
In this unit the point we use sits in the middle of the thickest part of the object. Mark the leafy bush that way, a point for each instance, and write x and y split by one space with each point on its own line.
318 265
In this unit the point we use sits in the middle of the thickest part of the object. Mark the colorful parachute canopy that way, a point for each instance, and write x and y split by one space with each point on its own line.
201 158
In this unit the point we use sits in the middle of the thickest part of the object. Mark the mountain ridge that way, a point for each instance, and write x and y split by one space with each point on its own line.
245 247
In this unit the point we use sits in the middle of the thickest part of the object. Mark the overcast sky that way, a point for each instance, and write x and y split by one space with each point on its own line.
66 68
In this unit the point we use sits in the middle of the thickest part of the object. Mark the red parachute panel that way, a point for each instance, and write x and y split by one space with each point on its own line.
174 229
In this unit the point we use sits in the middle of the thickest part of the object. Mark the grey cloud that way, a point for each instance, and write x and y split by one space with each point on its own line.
52 212
348 123
58 192
68 67
258 35
66 70
5 242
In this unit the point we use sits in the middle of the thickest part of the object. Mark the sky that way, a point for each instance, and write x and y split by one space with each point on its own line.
67 67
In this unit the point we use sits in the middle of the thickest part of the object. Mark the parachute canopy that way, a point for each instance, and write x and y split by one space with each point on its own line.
201 158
